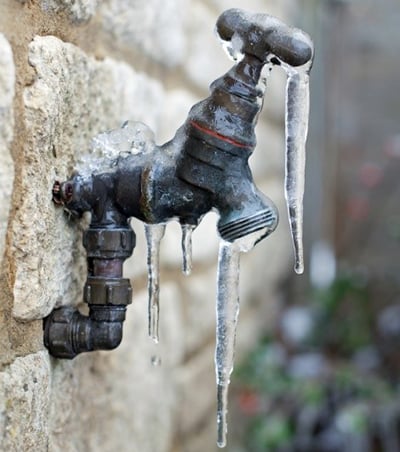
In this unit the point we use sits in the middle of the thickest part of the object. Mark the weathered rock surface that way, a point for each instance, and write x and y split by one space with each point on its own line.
155 27
73 98
24 404
7 81
78 10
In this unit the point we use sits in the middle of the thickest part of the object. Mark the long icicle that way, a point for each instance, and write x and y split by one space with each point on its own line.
227 316
297 111
154 234
227 308
187 230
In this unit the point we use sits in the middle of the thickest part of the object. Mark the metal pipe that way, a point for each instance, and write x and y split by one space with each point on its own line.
67 332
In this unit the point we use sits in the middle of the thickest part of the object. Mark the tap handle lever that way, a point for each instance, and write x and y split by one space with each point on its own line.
262 36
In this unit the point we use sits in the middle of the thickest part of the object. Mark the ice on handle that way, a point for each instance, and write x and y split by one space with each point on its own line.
263 35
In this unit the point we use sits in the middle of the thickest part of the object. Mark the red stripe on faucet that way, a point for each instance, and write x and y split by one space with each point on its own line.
219 136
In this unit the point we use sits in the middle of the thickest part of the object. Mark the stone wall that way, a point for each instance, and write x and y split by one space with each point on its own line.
70 69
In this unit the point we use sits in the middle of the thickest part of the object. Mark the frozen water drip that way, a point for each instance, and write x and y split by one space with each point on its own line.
156 361
296 129
227 307
187 230
154 234
227 313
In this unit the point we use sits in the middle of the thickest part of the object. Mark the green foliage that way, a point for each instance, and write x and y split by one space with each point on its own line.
262 371
271 398
269 433
276 397
343 315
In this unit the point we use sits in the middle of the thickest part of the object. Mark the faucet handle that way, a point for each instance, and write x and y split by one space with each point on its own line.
263 36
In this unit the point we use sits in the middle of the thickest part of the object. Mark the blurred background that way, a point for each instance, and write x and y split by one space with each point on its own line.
326 377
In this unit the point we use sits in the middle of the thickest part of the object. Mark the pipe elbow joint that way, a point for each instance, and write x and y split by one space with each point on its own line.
68 333
113 336
105 335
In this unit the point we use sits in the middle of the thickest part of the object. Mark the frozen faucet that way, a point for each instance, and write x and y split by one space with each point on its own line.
204 167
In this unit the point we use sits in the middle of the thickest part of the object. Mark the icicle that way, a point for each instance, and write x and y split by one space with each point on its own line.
297 110
154 234
187 230
227 316
227 308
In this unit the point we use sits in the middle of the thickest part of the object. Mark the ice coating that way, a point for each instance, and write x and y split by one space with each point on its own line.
187 230
261 35
227 315
296 128
233 47
227 312
154 234
131 138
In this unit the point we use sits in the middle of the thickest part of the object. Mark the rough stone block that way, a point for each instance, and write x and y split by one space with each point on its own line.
278 9
196 381
78 10
176 105
203 438
7 80
154 26
268 158
73 98
198 309
24 404
205 59
125 402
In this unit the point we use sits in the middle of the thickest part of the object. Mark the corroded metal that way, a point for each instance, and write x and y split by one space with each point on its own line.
67 332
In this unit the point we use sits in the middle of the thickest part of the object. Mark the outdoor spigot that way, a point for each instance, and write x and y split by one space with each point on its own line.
204 167
270 40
